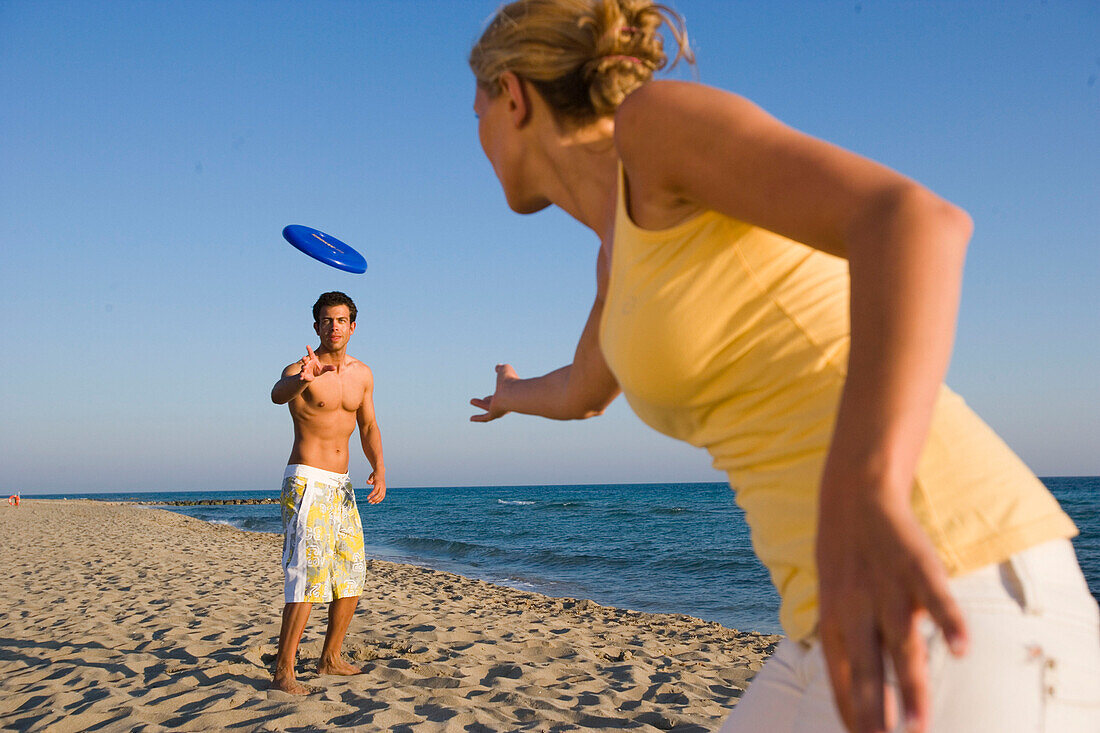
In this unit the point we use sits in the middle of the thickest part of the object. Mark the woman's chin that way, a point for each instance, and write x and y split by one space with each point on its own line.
527 205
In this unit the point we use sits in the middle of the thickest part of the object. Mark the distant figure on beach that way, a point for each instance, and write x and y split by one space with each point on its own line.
329 393
790 306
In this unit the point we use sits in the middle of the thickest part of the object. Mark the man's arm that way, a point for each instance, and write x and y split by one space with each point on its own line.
371 439
297 376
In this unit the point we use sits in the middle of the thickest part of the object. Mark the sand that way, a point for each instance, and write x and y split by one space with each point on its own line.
119 617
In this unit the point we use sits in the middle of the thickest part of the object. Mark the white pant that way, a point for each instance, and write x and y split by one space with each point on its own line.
1033 663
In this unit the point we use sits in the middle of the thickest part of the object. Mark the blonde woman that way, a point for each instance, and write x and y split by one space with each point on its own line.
790 306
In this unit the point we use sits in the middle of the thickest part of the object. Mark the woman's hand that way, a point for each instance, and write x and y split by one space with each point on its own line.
879 578
493 405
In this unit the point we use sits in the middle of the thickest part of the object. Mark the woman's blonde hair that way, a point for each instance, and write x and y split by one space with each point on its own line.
583 56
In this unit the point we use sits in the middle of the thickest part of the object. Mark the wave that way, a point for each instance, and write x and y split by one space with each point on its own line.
447 548
706 565
248 524
514 502
530 557
556 559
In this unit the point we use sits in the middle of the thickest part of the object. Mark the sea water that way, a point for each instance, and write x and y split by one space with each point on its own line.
670 548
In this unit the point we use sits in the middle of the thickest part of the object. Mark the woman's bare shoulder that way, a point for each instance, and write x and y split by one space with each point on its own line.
660 110
656 131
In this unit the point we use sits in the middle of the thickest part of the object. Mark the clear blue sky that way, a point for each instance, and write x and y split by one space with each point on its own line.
151 153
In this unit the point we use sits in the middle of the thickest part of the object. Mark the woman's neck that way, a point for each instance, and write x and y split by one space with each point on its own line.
581 173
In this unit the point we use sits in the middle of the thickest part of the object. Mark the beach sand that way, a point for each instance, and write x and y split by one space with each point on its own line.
118 617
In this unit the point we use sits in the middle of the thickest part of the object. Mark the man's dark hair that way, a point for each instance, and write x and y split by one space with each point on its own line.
330 299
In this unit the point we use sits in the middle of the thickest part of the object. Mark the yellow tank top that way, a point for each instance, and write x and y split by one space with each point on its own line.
735 339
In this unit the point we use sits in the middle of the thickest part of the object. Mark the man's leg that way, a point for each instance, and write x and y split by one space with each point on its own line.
295 616
349 574
340 612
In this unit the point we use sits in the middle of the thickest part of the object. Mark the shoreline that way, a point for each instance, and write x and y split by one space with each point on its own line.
673 548
125 617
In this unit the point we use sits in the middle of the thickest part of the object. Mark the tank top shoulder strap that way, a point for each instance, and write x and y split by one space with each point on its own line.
626 228
622 217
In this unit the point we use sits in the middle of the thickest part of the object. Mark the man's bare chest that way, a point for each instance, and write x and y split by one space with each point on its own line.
331 392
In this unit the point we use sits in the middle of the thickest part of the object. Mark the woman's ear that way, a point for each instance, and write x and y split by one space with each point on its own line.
519 101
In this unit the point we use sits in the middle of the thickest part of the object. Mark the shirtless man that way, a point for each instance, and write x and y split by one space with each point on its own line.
329 393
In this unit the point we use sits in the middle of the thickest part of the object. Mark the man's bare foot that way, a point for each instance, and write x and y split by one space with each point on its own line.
337 666
288 684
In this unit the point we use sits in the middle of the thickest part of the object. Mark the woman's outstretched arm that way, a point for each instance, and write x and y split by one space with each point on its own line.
579 390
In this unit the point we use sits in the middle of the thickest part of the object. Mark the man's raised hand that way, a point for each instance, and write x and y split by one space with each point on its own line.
311 366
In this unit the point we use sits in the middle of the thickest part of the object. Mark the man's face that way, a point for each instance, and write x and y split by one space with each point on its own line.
334 327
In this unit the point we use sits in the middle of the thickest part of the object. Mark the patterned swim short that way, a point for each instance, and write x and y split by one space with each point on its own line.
322 536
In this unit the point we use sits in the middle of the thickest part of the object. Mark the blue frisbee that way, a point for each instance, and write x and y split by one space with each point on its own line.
325 248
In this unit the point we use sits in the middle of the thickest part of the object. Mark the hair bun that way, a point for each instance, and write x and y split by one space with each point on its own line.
583 56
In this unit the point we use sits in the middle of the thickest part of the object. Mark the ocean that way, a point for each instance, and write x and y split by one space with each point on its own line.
663 548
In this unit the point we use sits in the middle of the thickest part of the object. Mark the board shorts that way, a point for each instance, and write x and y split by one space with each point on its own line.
322 536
